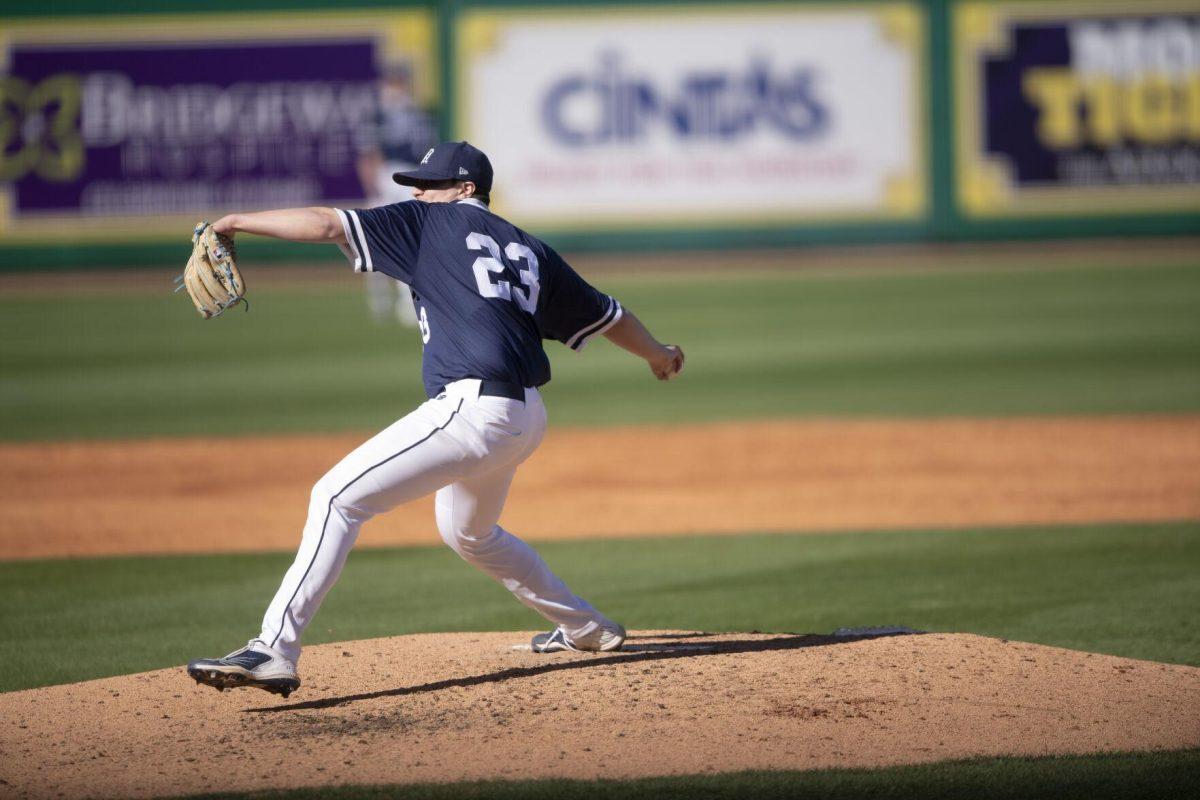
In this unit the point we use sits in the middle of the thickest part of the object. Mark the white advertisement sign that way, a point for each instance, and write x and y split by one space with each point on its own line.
698 115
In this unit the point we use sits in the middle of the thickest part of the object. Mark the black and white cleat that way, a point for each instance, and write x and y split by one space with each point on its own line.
255 666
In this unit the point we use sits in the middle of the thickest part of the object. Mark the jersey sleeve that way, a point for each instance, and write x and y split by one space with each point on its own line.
574 311
385 239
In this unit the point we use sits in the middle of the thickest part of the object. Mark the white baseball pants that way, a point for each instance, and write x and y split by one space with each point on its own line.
467 449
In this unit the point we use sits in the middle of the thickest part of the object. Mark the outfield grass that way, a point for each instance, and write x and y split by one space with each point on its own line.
1015 341
1100 777
1126 590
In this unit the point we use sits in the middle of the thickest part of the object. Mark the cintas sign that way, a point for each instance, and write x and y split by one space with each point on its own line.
698 115
613 103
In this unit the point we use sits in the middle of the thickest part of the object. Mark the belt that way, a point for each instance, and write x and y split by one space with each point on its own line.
513 391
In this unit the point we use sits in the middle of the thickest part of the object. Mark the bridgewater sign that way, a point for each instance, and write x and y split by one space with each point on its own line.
149 132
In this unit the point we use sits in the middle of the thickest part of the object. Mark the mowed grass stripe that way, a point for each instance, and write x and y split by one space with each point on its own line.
1128 590
1008 341
1095 777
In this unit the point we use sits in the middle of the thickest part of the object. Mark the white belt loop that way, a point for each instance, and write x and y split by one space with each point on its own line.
466 388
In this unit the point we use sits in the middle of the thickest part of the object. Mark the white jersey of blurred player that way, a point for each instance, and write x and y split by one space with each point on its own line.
387 297
393 141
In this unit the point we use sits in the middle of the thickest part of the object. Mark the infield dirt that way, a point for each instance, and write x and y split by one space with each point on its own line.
450 707
207 495
441 708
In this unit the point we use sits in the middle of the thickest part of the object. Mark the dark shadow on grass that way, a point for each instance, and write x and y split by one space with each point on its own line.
632 654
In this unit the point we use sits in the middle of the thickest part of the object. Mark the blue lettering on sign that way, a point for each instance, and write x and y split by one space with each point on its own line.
612 105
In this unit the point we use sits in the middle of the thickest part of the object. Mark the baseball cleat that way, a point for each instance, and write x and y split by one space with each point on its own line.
255 665
601 640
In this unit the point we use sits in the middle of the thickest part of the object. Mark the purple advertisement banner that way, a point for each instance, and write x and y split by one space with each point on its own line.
1081 107
1097 102
130 129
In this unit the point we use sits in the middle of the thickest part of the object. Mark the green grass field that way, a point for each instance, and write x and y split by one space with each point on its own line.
1030 340
1102 777
1127 590
1014 341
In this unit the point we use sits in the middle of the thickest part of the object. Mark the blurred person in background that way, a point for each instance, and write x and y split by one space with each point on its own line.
394 139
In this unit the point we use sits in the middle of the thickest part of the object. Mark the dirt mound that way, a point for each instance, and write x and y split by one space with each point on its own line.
448 707
107 498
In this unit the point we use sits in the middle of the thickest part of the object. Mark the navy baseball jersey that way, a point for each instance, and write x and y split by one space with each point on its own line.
486 292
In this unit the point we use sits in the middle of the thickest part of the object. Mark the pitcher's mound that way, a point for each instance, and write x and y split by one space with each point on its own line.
449 707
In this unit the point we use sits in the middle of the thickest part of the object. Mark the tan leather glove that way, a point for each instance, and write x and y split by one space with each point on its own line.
211 276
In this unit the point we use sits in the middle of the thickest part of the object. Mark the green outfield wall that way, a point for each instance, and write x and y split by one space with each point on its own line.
613 126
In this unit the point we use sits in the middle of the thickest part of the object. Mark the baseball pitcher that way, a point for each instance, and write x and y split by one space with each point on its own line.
486 293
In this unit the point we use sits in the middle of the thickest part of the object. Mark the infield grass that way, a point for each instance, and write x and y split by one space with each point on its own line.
1129 590
1036 340
1113 776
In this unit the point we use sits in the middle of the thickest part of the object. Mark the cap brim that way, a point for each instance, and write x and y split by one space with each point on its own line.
413 177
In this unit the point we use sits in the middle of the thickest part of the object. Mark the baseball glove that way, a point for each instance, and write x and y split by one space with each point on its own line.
211 276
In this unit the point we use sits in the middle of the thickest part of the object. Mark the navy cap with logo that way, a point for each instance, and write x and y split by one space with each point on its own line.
451 161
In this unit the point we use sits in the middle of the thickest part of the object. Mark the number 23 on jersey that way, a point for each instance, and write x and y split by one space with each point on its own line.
484 266
516 252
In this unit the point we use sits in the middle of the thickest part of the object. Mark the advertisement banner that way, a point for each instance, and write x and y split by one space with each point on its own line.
699 115
142 125
1077 107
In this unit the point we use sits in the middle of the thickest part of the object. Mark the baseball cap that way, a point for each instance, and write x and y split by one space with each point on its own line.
451 161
